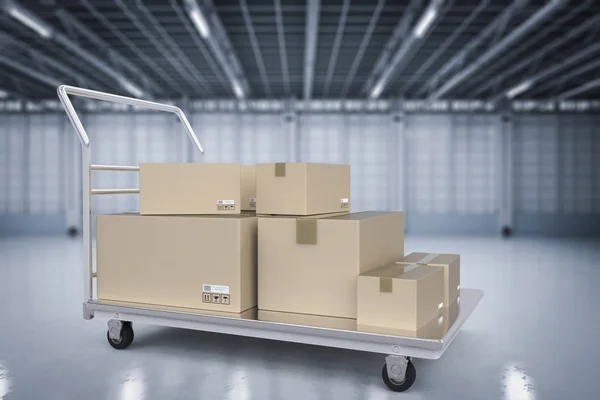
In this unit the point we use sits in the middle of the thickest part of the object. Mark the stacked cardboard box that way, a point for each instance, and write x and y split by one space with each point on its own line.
311 249
190 248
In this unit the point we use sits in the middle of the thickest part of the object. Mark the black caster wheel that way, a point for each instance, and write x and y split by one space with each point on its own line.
409 378
125 339
506 231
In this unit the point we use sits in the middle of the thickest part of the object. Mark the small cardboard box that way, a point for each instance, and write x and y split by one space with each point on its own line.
309 265
393 298
346 324
190 188
451 265
191 262
302 188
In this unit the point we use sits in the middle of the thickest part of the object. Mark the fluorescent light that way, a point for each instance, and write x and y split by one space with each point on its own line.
237 89
3 94
520 88
377 90
29 20
425 22
133 89
198 19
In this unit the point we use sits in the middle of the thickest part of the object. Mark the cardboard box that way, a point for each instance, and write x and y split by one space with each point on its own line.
188 189
451 265
192 262
302 188
309 265
347 324
248 188
393 298
432 330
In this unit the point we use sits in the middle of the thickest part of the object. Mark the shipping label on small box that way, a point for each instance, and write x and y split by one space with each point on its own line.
344 202
252 202
225 205
216 294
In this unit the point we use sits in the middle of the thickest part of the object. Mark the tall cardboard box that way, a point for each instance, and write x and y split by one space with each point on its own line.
302 188
407 303
451 265
190 188
309 265
248 188
189 262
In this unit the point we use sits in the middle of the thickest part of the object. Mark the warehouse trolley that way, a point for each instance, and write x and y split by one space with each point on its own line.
398 371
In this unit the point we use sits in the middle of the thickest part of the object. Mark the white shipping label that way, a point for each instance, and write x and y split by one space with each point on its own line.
225 201
215 289
344 202
427 259
252 199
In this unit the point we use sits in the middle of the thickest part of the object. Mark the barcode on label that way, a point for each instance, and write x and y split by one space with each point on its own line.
225 201
206 288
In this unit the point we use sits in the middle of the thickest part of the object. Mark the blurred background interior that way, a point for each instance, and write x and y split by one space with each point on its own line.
479 119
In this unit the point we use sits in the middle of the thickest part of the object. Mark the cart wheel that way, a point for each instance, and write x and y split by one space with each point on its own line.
409 379
125 339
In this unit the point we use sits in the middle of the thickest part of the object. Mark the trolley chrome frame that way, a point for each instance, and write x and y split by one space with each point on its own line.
398 349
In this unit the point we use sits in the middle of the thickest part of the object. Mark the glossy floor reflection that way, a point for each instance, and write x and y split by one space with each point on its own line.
532 336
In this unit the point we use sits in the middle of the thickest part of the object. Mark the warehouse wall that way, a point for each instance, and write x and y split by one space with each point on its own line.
443 169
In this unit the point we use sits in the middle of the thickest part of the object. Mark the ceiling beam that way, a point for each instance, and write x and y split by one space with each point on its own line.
193 69
310 45
68 18
45 60
149 63
531 23
339 35
530 82
580 89
557 84
399 35
282 47
194 85
210 27
48 32
538 55
460 58
24 69
444 46
260 62
362 47
410 43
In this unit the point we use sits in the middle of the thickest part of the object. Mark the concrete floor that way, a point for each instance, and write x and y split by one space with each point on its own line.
532 336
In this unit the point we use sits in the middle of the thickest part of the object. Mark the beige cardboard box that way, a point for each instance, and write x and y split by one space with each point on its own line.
434 329
451 265
192 262
248 188
393 298
302 188
309 265
347 324
192 188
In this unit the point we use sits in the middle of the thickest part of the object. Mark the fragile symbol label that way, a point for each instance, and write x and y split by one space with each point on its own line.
344 202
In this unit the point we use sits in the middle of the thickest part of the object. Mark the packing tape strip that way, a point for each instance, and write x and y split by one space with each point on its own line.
428 258
410 267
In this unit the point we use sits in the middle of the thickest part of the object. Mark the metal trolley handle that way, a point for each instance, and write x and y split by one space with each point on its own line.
63 94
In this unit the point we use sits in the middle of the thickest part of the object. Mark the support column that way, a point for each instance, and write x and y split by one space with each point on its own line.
396 154
505 172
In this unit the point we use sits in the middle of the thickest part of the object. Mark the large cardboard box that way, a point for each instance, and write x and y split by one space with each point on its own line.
309 265
451 265
248 188
406 301
193 262
190 188
320 321
302 188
